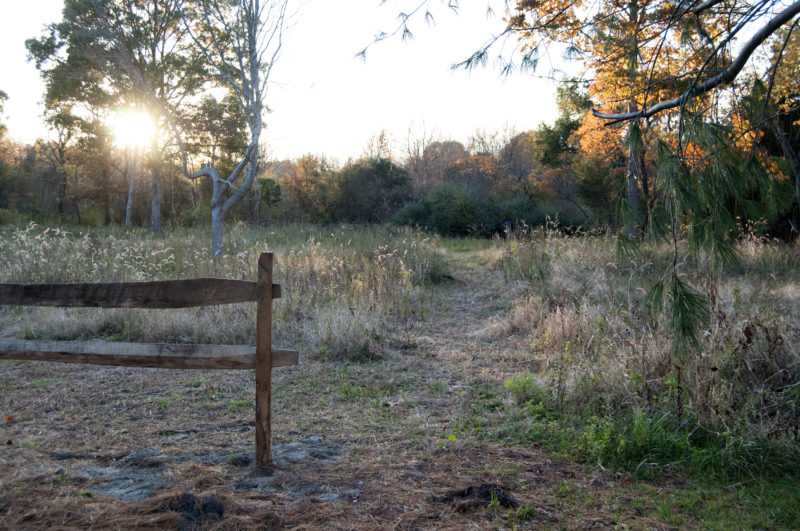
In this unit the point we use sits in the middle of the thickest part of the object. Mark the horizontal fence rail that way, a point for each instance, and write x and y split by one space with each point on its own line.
156 355
157 294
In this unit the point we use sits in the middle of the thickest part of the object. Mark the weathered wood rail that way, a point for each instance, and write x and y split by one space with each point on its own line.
164 294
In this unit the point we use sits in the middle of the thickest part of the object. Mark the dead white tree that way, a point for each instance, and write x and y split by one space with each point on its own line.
240 40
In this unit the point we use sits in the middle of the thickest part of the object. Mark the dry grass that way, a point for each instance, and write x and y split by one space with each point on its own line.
374 275
597 342
422 419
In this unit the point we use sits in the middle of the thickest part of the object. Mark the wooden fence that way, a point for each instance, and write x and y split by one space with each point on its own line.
164 294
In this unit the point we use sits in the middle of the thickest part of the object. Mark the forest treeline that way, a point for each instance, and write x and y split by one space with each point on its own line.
572 170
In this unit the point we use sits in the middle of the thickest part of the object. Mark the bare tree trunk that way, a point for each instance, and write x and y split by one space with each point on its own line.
155 204
61 191
257 208
645 195
106 183
217 218
75 199
202 206
131 173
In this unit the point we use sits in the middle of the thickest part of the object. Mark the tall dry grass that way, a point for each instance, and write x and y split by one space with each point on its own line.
343 287
601 353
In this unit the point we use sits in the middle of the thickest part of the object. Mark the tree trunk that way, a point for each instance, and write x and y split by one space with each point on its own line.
634 155
634 158
645 194
155 205
217 217
106 196
130 194
61 190
75 200
257 208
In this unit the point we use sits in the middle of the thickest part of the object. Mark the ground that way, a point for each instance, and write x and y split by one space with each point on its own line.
376 445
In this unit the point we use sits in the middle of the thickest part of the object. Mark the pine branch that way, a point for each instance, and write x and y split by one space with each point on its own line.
723 78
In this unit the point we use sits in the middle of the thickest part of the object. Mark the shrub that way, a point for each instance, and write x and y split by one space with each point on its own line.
526 387
368 191
460 211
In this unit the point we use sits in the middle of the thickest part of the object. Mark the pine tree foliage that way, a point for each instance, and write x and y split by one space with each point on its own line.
701 196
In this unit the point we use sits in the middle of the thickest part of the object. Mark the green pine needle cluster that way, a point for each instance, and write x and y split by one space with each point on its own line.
704 188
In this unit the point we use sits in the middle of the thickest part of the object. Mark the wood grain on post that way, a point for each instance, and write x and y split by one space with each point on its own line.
264 360
156 294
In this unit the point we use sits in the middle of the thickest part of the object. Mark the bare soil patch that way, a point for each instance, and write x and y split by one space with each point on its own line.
356 446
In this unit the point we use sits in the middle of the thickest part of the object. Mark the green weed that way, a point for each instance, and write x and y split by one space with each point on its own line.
240 405
437 387
41 382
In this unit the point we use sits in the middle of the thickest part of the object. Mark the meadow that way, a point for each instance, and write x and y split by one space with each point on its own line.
533 365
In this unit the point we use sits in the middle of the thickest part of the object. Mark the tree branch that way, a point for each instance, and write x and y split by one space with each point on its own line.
723 78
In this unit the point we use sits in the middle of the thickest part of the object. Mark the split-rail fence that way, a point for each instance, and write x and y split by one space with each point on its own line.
164 294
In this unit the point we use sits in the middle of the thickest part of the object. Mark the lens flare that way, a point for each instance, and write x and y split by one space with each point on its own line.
133 129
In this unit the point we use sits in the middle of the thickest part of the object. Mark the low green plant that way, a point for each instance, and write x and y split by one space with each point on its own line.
437 387
443 442
352 391
41 382
521 515
235 406
526 387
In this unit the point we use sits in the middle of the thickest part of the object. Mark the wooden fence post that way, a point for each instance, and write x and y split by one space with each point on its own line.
264 360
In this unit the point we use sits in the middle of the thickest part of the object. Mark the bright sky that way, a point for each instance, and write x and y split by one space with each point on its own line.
324 99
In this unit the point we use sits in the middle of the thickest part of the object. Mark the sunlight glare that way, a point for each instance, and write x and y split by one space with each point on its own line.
132 129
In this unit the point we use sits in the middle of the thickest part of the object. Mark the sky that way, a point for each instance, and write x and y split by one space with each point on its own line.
323 99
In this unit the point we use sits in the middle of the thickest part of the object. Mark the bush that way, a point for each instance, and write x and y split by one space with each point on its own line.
526 387
460 211
368 191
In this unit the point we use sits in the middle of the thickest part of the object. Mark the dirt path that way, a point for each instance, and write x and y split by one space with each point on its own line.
396 444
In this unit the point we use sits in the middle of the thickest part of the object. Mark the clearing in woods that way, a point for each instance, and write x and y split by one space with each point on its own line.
400 442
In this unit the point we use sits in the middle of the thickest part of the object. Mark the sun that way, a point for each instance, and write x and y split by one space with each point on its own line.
132 129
